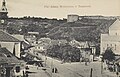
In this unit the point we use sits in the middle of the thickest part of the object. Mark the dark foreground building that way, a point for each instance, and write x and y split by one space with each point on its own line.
10 66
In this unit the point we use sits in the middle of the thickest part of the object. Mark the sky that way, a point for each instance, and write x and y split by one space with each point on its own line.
61 8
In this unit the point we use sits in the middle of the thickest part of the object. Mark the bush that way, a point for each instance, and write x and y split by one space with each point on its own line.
109 55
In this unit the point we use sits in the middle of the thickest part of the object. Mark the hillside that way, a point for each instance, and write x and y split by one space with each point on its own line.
82 30
88 28
26 24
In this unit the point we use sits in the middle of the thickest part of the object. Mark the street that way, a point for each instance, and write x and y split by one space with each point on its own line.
75 69
37 72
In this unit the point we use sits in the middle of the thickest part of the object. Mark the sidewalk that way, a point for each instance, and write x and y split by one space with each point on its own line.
37 72
107 73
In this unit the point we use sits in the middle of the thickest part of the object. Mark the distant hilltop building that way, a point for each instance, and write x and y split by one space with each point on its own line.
3 10
74 17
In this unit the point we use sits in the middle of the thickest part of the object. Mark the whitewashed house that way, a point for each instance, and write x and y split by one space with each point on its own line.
31 37
112 38
25 43
45 43
11 43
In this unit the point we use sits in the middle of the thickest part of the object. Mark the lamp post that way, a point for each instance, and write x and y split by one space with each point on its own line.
52 65
101 68
45 58
91 72
101 65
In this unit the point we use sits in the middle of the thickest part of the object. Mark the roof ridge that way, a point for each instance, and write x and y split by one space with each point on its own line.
10 35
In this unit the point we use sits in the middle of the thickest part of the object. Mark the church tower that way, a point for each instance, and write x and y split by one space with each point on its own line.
3 11
3 16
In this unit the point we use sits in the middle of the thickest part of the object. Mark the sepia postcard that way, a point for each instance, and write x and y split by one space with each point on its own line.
59 38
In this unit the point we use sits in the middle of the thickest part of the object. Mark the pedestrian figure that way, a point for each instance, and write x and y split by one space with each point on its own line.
52 70
117 73
37 67
26 74
23 74
86 63
80 60
56 70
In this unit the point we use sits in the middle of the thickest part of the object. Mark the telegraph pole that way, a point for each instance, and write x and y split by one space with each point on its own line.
91 72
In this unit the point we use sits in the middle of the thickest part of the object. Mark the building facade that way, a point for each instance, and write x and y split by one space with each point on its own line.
112 38
72 18
11 43
10 66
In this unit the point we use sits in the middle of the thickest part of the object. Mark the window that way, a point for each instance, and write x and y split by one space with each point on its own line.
115 33
111 45
17 69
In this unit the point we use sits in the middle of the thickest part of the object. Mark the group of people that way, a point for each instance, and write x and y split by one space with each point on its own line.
25 74
55 70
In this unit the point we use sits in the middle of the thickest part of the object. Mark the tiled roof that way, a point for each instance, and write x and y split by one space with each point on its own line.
7 57
25 43
6 37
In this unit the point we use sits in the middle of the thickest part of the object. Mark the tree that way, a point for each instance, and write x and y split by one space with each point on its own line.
64 52
109 55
